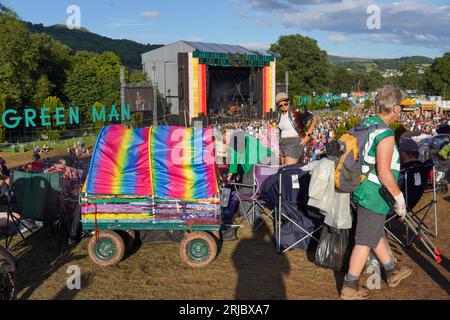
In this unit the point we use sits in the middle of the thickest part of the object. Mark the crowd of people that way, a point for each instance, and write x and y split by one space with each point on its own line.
325 130
427 122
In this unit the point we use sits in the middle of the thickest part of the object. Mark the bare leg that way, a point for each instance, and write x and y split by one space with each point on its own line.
358 260
382 252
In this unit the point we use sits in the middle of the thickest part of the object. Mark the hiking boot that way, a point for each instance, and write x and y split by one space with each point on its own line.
352 290
396 274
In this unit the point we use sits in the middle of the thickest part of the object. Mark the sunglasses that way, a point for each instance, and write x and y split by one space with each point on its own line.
283 105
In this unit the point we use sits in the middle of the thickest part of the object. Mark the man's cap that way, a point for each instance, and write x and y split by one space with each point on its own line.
281 96
408 145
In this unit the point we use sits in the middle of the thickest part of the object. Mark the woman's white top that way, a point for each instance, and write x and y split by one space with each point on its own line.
287 130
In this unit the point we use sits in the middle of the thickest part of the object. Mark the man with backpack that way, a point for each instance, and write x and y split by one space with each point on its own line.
379 166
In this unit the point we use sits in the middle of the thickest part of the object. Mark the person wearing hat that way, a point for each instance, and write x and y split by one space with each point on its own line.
409 152
295 133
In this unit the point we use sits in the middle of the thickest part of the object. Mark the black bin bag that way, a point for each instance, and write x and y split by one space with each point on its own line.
333 250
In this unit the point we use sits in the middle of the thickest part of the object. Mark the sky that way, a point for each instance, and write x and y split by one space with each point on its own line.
351 28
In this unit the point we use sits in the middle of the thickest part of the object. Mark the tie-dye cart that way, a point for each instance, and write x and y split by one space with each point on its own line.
157 178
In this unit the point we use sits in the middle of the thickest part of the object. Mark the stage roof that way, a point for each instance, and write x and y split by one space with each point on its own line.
218 48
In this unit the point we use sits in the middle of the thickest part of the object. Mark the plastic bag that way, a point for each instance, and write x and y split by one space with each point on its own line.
333 248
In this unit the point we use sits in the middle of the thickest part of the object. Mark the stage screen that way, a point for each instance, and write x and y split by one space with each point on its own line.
139 99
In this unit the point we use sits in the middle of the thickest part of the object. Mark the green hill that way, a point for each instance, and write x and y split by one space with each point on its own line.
362 64
129 51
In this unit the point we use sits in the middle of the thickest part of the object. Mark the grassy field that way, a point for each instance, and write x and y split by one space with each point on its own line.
57 151
56 144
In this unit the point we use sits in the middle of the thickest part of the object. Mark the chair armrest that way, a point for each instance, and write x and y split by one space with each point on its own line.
241 184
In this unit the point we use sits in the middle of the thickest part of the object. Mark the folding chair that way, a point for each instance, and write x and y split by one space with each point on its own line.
260 174
292 173
414 182
35 197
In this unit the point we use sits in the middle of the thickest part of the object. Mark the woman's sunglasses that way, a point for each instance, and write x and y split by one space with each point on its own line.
283 105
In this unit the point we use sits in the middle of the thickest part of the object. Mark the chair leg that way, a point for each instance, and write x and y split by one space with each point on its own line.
268 216
246 214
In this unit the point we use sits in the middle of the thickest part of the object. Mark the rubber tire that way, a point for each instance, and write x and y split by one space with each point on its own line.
129 238
118 242
11 275
209 239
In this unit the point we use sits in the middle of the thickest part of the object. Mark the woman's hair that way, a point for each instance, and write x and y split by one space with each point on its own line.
387 98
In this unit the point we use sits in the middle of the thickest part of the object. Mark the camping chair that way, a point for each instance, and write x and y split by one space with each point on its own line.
36 197
260 174
414 182
281 215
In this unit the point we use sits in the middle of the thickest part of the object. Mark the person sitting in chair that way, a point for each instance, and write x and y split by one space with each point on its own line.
409 153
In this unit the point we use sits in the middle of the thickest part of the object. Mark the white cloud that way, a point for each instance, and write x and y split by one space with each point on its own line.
338 38
150 14
285 4
408 22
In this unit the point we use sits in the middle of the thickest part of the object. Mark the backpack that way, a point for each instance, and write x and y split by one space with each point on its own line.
348 176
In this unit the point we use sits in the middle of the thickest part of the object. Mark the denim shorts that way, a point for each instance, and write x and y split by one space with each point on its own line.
290 147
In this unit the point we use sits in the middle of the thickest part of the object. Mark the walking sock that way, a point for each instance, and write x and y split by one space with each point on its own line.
350 277
389 266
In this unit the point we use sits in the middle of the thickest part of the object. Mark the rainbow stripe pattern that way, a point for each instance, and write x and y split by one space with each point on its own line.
162 161
182 163
119 163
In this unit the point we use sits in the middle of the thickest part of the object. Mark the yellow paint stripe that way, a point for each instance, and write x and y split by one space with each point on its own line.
189 175
117 216
196 86
121 161
150 159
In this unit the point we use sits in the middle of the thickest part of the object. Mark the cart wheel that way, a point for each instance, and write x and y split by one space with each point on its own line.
129 238
198 249
108 251
8 285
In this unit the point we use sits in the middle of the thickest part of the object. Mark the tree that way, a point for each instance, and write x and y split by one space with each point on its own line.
53 131
342 79
409 80
2 109
437 78
373 81
93 78
137 76
32 67
308 66
53 60
18 60
7 11
43 89
108 74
